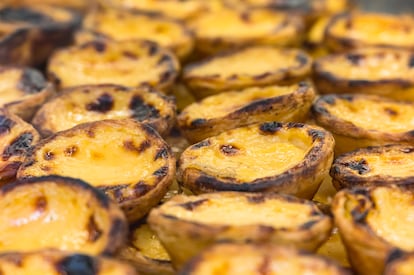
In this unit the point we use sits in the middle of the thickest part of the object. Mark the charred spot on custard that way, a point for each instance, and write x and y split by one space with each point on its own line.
301 59
130 146
270 127
165 76
361 166
390 112
40 204
99 46
70 151
129 55
48 155
152 49
354 59
190 206
19 146
198 122
142 111
94 232
22 14
229 150
6 124
31 82
78 264
103 104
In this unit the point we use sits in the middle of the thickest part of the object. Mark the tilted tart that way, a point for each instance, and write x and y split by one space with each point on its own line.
248 259
399 263
16 139
61 213
29 34
358 121
291 158
128 63
228 110
252 66
385 72
188 224
230 28
315 37
79 5
54 262
348 31
81 104
373 222
145 252
178 9
126 25
23 90
128 160
389 164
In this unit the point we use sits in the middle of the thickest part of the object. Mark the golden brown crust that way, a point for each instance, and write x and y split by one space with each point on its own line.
358 211
379 165
131 63
127 160
247 259
364 120
126 25
300 177
367 71
29 34
231 28
16 140
354 30
37 205
225 111
81 104
188 224
240 69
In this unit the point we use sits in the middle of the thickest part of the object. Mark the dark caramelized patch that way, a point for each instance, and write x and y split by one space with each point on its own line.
229 150
390 112
190 206
161 153
141 188
163 59
308 225
262 76
129 55
245 17
259 198
354 59
301 59
70 151
358 215
394 255
161 172
99 46
152 49
23 14
103 104
329 99
130 146
165 76
19 146
316 134
41 204
270 127
94 232
78 265
411 62
201 144
361 166
48 155
31 81
6 124
142 111
198 122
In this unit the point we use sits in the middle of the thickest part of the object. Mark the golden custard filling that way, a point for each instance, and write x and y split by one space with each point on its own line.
73 108
145 240
248 62
126 63
110 157
255 155
50 216
9 83
373 115
32 265
224 103
238 211
229 23
123 26
371 64
393 217
376 28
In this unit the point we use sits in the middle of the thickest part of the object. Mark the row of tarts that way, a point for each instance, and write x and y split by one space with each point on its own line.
93 151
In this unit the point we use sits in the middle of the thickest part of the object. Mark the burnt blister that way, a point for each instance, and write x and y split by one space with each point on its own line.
142 111
48 155
229 150
31 81
99 46
102 104
6 124
161 172
70 151
40 204
308 225
22 14
361 166
18 147
78 264
198 122
301 59
316 134
201 144
270 127
141 188
390 112
257 198
354 59
190 206
330 99
130 55
162 153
